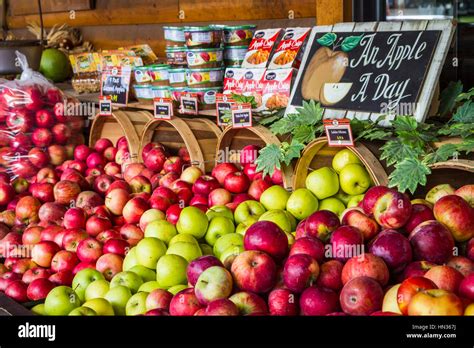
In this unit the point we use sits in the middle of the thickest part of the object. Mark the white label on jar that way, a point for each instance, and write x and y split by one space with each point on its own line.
237 54
202 58
144 93
210 97
177 77
174 35
201 37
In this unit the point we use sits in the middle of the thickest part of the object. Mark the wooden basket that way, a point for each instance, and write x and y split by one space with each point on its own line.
457 173
122 123
318 154
198 135
233 140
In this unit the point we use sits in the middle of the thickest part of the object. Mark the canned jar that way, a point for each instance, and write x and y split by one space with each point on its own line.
209 77
238 35
234 55
141 75
205 57
176 56
159 74
161 92
176 93
203 37
174 36
206 96
177 77
143 93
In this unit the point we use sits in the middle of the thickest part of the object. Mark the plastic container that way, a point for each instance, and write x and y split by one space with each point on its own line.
159 74
161 91
209 77
206 96
177 77
143 93
238 35
234 55
141 75
176 56
203 37
176 93
174 36
205 57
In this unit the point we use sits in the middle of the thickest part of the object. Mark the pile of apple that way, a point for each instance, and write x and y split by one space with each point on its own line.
105 236
33 131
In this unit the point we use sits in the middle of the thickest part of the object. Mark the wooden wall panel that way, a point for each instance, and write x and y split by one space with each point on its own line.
329 12
24 7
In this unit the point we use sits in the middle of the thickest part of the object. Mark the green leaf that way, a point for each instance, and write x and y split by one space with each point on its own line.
469 95
458 130
292 151
351 42
394 151
304 134
310 114
270 157
443 153
466 146
404 123
408 174
240 98
375 134
284 125
448 97
327 39
464 113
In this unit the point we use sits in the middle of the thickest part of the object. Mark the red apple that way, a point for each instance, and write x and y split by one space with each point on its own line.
204 185
277 177
222 307
159 299
96 224
43 253
62 278
466 287
219 196
49 233
467 193
318 301
89 250
165 180
35 273
319 225
462 264
155 159
236 182
419 213
8 278
22 265
64 260
250 170
44 118
221 170
134 209
457 215
300 271
46 175
17 291
371 196
355 217
173 212
191 174
199 265
27 210
365 265
116 246
66 191
39 289
310 246
330 275
72 237
116 199
416 269
266 236
139 184
110 153
44 191
445 277
7 193
409 288
393 248
31 235
173 164
75 218
249 304
254 271
392 209
282 302
112 169
102 144
361 296
184 303
106 235
249 154
102 183
61 132
52 212
131 231
432 242
109 265
346 242
435 302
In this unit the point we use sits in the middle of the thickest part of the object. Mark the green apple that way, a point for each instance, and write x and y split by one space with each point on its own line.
226 241
343 158
302 203
97 289
177 288
130 259
189 251
292 220
144 272
343 197
118 297
183 237
274 197
243 226
323 182
39 309
61 300
162 230
149 250
206 249
149 216
332 204
354 201
150 286
218 226
228 255
82 280
127 278
83 312
213 284
279 217
354 179
291 238
219 210
439 191
192 220
101 306
248 209
171 270
136 305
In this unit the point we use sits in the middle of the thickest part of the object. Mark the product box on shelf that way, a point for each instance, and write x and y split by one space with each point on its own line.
290 49
261 47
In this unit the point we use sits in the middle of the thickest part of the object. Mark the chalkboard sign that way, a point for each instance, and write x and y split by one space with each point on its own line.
241 115
116 83
374 72
163 108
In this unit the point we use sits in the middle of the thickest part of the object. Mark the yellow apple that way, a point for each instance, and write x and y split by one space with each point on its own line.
390 303
435 302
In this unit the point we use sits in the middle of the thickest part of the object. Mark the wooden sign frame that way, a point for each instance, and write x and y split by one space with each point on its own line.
430 82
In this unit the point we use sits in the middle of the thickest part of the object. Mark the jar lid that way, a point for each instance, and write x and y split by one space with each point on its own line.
206 28
205 49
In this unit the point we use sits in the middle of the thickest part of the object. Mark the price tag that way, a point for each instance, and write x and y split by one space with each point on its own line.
241 115
189 104
163 108
339 132
105 106
224 109
115 83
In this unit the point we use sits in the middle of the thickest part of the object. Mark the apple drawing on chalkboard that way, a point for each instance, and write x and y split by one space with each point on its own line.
321 81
